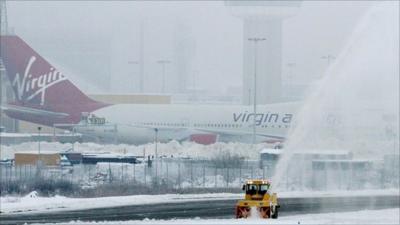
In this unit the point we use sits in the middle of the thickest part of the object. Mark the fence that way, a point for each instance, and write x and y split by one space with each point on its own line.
186 173
175 173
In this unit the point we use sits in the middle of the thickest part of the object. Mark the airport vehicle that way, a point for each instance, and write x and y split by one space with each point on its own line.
45 96
64 162
258 200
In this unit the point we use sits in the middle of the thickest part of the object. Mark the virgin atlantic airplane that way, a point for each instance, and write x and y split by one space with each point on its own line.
45 96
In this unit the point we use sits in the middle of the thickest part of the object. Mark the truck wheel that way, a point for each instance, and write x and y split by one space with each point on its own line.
275 214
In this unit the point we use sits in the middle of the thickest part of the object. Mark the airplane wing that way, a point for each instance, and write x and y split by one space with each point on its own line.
225 132
180 134
187 131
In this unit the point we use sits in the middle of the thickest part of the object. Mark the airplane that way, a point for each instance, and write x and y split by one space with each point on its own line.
45 96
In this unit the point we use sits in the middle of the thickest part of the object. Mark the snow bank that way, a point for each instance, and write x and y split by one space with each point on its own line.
34 204
173 148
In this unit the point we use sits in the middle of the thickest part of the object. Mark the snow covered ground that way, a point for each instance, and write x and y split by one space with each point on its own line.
32 203
386 216
35 204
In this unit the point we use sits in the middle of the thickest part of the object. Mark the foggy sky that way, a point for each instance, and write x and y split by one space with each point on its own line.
96 32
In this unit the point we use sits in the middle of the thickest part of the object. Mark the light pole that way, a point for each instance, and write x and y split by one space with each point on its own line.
133 62
73 142
249 96
39 129
2 70
390 131
289 81
329 58
255 40
162 63
290 66
156 153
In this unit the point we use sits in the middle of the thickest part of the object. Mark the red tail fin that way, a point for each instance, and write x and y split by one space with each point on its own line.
38 84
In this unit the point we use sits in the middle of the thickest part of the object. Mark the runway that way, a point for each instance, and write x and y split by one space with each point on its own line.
205 209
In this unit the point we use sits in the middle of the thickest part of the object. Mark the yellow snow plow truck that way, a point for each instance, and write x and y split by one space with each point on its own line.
258 201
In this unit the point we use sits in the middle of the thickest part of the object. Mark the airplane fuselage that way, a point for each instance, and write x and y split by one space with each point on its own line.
138 123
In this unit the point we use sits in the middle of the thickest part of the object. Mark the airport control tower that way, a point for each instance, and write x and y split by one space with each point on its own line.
262 20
